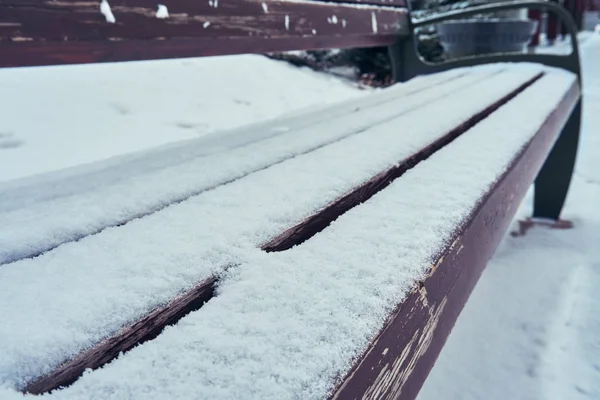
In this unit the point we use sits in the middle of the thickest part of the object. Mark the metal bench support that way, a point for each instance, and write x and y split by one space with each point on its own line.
553 181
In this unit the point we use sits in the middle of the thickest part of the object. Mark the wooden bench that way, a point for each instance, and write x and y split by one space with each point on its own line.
324 254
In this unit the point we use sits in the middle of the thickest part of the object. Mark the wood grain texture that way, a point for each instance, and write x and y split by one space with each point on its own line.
35 32
319 221
398 361
141 331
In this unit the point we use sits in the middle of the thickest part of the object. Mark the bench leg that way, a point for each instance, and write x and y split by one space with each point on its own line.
552 183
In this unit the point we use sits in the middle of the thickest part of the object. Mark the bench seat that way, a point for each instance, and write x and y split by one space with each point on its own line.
297 306
39 214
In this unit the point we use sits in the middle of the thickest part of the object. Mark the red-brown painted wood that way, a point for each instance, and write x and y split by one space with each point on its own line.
401 356
35 32
38 54
143 330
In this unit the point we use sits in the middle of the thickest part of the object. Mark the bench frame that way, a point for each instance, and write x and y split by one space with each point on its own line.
554 179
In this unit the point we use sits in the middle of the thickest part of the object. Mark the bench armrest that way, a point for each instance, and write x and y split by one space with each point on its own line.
408 63
553 180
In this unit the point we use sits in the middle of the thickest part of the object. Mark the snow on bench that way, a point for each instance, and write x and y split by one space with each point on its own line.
327 254
40 215
333 258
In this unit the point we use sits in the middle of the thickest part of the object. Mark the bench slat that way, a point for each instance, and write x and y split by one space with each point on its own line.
117 276
42 215
286 325
70 31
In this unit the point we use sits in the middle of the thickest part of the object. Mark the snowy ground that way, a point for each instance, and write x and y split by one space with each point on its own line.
529 330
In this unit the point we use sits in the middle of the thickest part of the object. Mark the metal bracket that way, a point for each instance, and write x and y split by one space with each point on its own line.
553 180
408 63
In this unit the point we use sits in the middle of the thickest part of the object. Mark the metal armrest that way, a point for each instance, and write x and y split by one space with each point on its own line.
553 180
408 63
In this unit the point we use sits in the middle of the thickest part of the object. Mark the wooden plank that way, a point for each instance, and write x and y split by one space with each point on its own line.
36 32
401 356
40 54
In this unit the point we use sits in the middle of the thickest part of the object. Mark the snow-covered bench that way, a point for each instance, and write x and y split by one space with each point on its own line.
325 254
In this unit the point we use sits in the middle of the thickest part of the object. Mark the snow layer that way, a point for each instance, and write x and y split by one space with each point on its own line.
285 325
40 214
118 275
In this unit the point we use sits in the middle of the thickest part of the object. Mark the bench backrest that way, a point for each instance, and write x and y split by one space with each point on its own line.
38 32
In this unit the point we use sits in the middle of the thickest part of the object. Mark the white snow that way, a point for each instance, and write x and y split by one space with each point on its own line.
107 12
141 265
529 331
162 12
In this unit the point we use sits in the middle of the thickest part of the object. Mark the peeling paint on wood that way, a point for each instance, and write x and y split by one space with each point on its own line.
196 28
435 266
423 294
392 378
